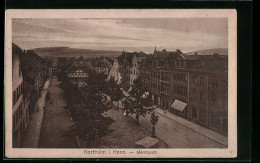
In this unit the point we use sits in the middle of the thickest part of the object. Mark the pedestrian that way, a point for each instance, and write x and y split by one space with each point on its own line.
37 108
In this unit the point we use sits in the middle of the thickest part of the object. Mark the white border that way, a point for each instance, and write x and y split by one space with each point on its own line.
231 14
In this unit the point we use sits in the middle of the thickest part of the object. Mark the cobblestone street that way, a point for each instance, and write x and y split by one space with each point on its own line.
177 135
56 122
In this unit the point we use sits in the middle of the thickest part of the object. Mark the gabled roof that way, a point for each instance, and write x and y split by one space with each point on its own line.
98 62
189 57
16 52
127 56
76 68
31 63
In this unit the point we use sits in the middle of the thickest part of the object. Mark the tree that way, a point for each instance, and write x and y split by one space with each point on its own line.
47 96
114 91
88 126
139 103
87 109
127 105
154 120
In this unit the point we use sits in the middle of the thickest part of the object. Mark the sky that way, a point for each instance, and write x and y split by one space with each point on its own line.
130 34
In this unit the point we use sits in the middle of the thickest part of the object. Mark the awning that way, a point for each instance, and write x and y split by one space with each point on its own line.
147 142
178 105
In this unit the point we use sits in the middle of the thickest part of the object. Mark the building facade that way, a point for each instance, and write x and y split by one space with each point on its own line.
115 72
191 86
131 63
78 70
20 113
101 65
78 75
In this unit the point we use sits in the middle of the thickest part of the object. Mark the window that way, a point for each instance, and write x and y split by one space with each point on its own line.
17 116
20 71
202 116
13 122
224 84
167 91
20 111
14 100
185 91
185 77
194 94
174 88
214 99
194 79
201 96
174 76
19 90
215 83
201 80
17 94
182 64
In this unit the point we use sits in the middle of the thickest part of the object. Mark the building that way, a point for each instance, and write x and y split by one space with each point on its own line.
35 70
78 71
20 113
49 62
180 85
208 83
78 75
101 65
54 66
35 73
191 86
156 74
131 63
115 72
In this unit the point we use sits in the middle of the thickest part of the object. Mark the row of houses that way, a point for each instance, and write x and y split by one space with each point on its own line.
192 86
29 73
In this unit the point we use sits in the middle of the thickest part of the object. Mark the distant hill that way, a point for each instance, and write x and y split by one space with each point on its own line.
74 52
220 51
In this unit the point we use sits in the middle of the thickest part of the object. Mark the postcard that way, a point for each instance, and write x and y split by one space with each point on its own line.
121 83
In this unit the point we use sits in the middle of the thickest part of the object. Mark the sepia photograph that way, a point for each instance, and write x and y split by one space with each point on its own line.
120 84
